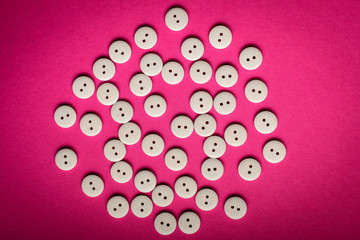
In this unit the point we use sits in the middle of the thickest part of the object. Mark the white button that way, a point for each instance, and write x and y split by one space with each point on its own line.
201 102
235 135
66 159
129 133
152 145
145 181
176 159
114 150
206 199
121 172
250 58
140 85
145 37
122 111
165 223
212 169
189 222
224 103
107 94
104 69
235 207
65 116
200 72
185 187
256 91
220 37
151 64
155 106
141 206
162 195
265 122
176 19
118 207
226 76
205 125
274 151
90 124
172 72
92 185
192 49
249 169
214 147
120 51
83 87
182 126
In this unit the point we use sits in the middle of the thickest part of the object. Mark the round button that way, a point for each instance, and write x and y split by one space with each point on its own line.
235 207
90 124
189 222
155 106
165 223
205 125
265 122
121 172
182 126
256 91
172 72
249 169
92 185
176 19
122 111
212 169
118 207
140 85
162 195
201 102
185 187
65 116
176 159
66 159
107 94
83 87
200 72
224 103
214 147
129 133
206 199
114 150
192 49
151 64
274 151
141 206
104 69
120 51
220 37
235 135
145 181
250 58
152 145
145 37
226 76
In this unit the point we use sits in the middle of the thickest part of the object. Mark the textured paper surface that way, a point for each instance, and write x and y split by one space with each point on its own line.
311 66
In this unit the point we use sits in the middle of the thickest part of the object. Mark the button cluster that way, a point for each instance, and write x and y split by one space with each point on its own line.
204 125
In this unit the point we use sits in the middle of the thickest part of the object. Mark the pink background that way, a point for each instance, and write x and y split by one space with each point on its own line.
311 66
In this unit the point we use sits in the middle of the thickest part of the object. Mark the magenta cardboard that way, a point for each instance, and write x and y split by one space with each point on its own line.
311 67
